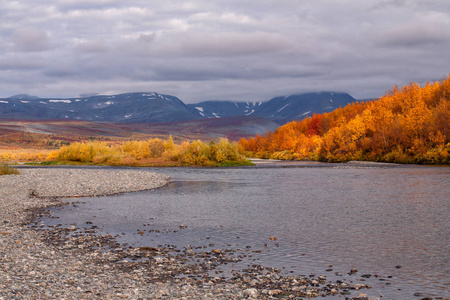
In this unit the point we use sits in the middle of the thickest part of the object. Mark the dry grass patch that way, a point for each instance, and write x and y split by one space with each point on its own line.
7 170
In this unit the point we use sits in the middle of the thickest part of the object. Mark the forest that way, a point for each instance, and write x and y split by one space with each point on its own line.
409 124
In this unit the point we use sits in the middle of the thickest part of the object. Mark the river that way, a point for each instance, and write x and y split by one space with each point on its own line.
389 221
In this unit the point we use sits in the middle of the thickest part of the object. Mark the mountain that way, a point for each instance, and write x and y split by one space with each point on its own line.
279 109
296 107
24 97
220 109
129 107
156 108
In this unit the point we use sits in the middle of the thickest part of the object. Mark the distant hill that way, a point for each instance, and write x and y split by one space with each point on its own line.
233 128
279 109
24 97
220 109
129 107
155 108
296 107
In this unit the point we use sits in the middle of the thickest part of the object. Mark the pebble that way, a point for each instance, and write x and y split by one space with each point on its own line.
252 293
74 263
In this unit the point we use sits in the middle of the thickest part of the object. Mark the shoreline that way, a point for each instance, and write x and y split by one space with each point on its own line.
74 263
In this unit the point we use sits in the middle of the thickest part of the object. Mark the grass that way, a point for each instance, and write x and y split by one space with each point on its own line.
7 170
235 163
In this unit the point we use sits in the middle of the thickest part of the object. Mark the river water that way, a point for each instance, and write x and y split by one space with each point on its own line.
391 222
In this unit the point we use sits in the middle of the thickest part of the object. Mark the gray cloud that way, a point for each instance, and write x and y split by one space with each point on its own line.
30 40
236 49
22 63
92 46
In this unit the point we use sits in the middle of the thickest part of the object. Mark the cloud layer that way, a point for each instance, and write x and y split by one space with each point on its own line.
237 50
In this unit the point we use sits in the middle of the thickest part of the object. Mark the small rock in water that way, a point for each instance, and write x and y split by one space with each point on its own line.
359 286
345 292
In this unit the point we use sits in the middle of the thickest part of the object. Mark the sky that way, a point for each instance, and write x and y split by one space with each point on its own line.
221 50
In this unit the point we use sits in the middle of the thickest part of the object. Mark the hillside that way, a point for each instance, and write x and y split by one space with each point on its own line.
54 133
407 125
220 109
297 107
156 108
129 107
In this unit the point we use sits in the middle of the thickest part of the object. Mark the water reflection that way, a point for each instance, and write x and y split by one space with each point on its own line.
371 219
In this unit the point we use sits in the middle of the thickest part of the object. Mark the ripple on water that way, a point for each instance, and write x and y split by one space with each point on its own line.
322 218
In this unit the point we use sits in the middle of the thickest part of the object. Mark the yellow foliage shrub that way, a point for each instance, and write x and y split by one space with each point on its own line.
136 153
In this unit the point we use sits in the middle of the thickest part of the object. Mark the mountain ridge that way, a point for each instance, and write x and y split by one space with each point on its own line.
152 107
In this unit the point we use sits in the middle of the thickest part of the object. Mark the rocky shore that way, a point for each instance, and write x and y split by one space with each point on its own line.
75 263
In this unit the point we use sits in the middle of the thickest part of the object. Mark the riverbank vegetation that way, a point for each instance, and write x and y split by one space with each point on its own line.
407 125
7 170
152 152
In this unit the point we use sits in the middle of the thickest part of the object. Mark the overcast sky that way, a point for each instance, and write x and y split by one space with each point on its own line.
221 50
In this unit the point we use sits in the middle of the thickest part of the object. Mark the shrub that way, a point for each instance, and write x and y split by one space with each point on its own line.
86 152
7 170
149 152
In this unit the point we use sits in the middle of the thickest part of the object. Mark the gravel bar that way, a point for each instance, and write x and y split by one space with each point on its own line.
74 263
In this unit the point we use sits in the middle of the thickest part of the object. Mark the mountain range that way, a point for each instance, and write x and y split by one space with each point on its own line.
152 107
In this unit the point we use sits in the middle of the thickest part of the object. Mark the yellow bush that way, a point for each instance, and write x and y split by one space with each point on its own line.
156 147
85 152
53 156
139 153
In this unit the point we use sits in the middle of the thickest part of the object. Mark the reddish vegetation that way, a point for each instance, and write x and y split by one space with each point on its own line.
51 134
407 125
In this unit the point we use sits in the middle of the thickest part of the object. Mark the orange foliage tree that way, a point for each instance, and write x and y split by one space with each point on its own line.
407 125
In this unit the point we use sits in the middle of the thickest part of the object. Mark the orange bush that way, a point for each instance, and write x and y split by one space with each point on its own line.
409 125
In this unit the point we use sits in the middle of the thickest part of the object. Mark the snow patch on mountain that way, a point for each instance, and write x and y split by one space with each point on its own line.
283 107
60 101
